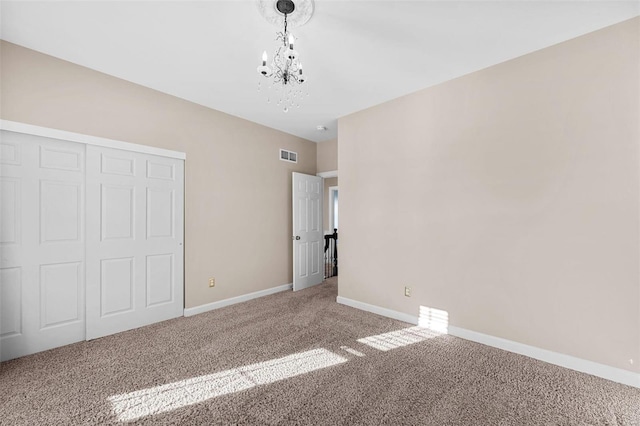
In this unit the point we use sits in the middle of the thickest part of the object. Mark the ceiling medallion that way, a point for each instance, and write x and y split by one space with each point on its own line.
284 72
303 10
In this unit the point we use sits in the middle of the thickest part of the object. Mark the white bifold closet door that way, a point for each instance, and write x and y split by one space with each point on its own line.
42 243
91 241
134 240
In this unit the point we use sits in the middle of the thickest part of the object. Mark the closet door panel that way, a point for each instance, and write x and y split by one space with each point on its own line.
134 240
42 243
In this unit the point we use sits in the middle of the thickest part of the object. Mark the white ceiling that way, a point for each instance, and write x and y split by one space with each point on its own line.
356 54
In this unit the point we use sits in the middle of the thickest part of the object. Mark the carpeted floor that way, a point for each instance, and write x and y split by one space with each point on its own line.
300 358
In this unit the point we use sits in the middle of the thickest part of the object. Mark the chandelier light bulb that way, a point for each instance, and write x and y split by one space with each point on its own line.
264 70
264 58
291 41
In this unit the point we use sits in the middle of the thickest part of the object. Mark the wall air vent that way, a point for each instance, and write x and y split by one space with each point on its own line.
289 156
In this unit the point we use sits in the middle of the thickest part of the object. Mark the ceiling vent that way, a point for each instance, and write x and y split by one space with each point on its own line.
289 156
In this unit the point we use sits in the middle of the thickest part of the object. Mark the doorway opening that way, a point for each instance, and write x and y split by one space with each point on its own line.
331 235
333 208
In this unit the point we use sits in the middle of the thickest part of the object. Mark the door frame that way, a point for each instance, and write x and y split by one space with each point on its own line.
327 175
330 174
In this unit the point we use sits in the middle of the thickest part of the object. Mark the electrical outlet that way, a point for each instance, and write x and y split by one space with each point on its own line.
212 282
407 291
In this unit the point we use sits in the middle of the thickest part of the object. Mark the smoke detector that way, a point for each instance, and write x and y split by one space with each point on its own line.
321 128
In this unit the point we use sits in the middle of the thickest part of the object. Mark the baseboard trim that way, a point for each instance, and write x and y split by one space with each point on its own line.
188 312
617 375
378 310
578 364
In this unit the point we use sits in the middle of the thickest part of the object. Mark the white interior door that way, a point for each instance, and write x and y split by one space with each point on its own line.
307 231
42 243
134 240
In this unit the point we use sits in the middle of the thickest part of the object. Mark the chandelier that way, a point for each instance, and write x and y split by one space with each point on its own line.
284 72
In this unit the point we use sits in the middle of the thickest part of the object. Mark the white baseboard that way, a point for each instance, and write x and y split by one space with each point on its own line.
378 310
233 300
607 372
600 370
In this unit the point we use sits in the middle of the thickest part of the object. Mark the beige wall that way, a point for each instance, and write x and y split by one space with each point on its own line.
238 194
327 153
510 200
328 182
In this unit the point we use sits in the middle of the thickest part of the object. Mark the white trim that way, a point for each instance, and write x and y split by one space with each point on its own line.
14 126
378 310
233 300
331 174
600 370
611 373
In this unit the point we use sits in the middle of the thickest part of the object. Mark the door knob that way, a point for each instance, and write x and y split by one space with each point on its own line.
295 238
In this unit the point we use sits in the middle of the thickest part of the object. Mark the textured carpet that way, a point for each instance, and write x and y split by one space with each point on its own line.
300 358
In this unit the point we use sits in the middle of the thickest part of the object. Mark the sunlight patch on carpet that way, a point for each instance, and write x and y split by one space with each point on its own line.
399 338
160 399
351 351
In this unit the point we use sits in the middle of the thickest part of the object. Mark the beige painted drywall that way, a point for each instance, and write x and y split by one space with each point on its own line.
327 156
511 200
238 194
328 182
